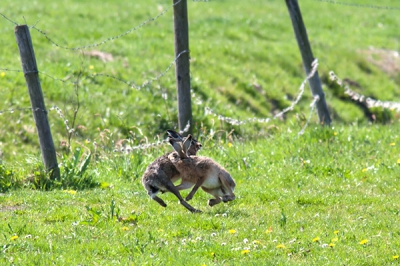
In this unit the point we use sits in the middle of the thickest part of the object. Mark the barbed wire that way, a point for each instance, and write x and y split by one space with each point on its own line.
70 130
359 5
129 83
314 67
57 109
312 108
128 149
60 113
11 70
13 110
13 22
236 122
108 39
369 102
133 86
123 34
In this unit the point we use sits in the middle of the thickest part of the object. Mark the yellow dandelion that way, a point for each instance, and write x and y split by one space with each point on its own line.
104 185
334 133
364 241
72 192
125 228
331 245
364 170
91 67
334 239
336 232
246 251
398 161
281 246
395 257
203 265
14 238
230 145
257 242
315 239
392 144
2 74
232 231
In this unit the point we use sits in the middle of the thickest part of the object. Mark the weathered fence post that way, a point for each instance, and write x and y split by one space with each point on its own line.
308 58
182 66
31 74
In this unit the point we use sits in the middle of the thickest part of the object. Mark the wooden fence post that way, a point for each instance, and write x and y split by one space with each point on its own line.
308 58
31 74
182 66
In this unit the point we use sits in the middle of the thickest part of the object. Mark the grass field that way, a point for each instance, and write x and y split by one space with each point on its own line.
244 63
327 197
330 197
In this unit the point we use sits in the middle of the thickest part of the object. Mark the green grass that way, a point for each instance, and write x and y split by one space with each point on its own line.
244 58
295 194
290 191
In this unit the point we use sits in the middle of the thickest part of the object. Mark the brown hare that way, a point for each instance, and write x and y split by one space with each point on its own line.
161 174
201 171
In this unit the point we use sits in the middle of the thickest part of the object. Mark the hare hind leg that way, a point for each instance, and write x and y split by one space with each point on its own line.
159 200
152 192
212 202
228 185
227 198
216 192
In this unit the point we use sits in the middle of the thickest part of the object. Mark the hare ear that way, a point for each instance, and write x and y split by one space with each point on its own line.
174 135
187 143
177 147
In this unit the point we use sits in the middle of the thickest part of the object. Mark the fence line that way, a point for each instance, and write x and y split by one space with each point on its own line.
370 103
15 109
106 40
236 122
208 111
353 95
13 22
129 83
133 86
233 121
312 108
307 56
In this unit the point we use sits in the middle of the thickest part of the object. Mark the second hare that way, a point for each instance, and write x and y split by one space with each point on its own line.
201 171
160 174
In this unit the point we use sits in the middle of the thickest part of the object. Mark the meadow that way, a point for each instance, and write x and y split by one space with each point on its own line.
327 197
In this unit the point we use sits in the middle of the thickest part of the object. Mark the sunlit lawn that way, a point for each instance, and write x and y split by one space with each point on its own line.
328 197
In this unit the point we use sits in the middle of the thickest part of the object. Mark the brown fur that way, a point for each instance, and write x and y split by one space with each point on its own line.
200 171
161 174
